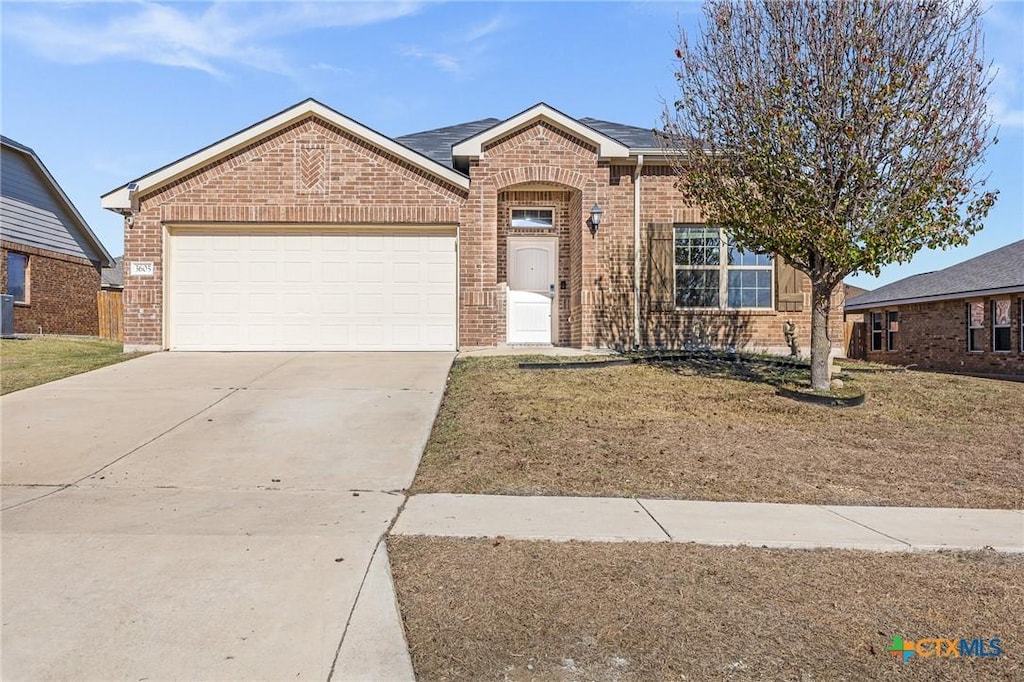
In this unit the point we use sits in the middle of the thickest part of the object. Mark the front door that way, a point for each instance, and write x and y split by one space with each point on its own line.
532 267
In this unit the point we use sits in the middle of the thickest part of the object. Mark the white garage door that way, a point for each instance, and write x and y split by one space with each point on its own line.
321 290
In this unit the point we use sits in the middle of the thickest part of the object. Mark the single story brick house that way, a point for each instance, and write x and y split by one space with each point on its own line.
966 318
311 231
50 260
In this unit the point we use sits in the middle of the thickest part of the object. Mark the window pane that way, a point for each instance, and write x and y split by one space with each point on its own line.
977 314
697 246
749 288
697 288
532 218
17 266
976 340
1001 313
1001 339
738 256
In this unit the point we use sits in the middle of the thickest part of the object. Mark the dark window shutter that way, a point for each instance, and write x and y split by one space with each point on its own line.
788 287
661 267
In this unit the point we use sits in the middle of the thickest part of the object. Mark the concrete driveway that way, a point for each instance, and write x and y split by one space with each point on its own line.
209 515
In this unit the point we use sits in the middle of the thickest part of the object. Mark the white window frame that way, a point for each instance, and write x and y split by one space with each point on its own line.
880 332
1008 326
723 268
532 230
890 334
970 328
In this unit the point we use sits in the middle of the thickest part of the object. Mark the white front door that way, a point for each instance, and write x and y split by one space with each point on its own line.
532 270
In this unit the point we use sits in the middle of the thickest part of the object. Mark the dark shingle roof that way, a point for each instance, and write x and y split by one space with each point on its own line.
437 144
113 277
999 269
631 136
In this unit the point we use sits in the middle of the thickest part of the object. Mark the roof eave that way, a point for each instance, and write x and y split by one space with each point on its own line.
871 305
120 198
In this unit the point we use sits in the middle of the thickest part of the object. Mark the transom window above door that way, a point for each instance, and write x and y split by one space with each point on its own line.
712 271
533 218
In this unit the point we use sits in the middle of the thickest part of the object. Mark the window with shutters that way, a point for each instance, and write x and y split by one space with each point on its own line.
712 271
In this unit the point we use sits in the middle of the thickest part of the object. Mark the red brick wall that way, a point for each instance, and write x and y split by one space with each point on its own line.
756 330
934 336
310 172
61 293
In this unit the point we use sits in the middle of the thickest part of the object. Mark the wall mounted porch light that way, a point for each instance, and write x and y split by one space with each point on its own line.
595 218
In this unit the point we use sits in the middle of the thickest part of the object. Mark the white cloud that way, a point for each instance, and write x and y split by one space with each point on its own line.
221 35
443 61
1003 28
464 48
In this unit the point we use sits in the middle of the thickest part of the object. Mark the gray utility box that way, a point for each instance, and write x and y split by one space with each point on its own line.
7 303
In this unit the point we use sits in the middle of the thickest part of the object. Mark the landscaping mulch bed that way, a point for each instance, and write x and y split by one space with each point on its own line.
718 431
516 610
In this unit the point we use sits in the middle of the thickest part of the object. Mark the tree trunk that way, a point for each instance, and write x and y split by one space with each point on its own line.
821 344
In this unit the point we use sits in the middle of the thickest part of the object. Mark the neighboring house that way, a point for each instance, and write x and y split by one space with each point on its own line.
112 278
50 259
967 318
310 231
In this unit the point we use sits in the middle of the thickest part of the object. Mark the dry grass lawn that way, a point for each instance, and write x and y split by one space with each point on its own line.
921 440
41 359
486 610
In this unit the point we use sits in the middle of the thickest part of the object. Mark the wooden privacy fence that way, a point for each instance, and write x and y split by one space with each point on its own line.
854 340
111 315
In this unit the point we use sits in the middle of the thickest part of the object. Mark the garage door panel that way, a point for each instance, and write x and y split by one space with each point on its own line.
325 291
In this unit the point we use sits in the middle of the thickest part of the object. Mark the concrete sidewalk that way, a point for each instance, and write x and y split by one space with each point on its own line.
900 529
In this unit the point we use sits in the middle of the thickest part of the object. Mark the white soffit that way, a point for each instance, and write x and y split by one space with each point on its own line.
606 146
120 198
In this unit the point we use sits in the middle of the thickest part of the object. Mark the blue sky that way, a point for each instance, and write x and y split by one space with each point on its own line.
106 92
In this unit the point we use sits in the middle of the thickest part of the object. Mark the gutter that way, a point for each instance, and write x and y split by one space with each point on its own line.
636 250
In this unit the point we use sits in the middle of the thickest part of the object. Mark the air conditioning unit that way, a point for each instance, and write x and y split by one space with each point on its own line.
7 316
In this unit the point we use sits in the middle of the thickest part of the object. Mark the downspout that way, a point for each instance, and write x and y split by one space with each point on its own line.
636 250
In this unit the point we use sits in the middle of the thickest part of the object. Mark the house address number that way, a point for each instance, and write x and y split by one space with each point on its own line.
142 268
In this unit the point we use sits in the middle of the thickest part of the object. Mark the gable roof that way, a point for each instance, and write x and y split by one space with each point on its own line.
437 144
607 146
121 197
992 273
78 222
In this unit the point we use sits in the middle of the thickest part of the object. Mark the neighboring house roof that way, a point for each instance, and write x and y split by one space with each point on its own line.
121 198
437 144
608 147
113 277
35 211
996 272
852 291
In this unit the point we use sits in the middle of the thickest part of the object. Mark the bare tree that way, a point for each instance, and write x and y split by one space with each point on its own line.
841 135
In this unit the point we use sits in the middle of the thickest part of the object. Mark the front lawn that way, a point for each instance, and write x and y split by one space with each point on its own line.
515 610
920 440
41 359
